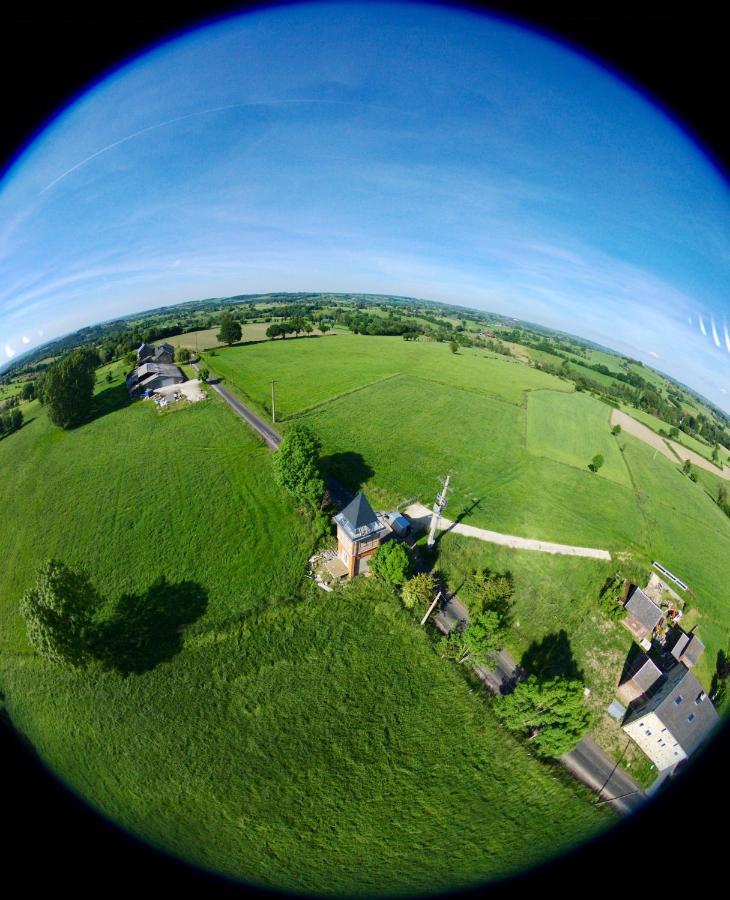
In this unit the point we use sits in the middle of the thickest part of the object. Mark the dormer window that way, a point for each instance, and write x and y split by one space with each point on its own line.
678 699
690 717
700 697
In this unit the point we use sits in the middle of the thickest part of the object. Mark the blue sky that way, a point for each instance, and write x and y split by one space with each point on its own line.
384 148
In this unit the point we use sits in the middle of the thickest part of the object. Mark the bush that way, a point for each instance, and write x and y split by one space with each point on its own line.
296 466
391 562
418 591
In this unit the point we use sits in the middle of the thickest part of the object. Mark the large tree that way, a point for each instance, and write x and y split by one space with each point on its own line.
296 465
551 713
229 331
477 642
58 613
391 562
68 387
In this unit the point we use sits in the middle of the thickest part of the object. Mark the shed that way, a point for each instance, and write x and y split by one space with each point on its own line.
643 615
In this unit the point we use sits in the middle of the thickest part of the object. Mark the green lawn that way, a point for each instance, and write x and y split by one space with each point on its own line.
310 371
397 437
572 429
252 724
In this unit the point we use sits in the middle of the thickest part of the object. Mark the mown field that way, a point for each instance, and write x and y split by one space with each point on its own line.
572 429
312 370
398 437
247 722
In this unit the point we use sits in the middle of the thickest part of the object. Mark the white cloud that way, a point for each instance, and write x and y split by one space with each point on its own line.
25 340
9 352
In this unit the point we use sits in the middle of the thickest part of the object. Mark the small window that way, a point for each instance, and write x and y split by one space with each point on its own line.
678 700
675 753
700 697
648 731
664 729
690 717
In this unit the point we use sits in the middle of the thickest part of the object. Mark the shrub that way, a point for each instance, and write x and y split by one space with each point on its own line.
391 562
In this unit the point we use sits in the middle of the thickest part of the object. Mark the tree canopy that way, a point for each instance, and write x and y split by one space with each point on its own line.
391 562
67 387
229 331
418 590
551 713
477 642
296 465
58 613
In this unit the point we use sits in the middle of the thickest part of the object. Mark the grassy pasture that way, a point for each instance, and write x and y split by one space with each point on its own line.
397 437
572 429
206 338
133 496
311 371
264 730
321 746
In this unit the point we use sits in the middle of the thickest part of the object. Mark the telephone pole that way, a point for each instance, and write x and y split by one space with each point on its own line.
438 508
273 400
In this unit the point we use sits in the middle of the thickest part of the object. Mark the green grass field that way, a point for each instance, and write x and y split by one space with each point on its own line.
250 723
397 437
572 429
311 371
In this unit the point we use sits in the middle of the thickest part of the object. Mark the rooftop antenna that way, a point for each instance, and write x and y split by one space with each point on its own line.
438 508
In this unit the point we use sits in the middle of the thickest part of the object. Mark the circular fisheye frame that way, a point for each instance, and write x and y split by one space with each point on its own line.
365 424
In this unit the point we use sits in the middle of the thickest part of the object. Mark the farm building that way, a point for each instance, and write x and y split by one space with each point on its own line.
360 531
152 375
641 677
165 353
673 719
642 616
687 648
145 351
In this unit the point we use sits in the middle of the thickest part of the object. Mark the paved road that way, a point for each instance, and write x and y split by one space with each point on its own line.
339 494
589 764
645 434
503 678
421 515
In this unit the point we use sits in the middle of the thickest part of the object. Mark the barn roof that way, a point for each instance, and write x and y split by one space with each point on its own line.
643 609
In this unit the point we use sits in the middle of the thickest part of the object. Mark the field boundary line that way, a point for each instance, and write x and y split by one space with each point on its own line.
315 406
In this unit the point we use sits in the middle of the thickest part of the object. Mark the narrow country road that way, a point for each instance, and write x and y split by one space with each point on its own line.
589 764
269 434
339 494
421 515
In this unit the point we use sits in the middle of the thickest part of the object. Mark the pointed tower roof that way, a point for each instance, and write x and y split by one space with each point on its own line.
358 517
359 512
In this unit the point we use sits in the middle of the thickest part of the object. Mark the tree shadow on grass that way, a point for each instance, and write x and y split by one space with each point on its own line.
107 401
147 629
550 657
349 468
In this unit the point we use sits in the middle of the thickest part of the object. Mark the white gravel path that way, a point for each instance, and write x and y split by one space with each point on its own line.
422 515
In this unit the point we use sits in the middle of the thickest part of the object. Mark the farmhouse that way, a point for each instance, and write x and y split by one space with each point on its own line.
152 375
643 616
165 353
360 531
673 719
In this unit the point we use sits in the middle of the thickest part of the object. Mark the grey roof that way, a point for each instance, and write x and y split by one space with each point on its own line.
683 707
646 676
165 348
358 518
145 348
157 368
643 609
694 649
680 644
616 710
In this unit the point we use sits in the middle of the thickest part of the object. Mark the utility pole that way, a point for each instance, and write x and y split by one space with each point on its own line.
273 400
438 508
435 601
